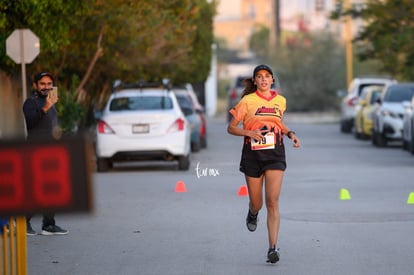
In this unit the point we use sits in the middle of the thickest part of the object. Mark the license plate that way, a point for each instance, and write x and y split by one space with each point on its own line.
140 128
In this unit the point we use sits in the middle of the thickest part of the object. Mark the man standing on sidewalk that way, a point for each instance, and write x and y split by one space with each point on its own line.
42 123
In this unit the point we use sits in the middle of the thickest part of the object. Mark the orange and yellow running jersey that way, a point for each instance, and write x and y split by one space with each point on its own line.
257 111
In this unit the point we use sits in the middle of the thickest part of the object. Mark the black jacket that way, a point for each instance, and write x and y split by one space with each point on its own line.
39 124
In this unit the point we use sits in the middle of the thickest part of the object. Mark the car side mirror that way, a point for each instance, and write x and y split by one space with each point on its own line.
187 111
378 101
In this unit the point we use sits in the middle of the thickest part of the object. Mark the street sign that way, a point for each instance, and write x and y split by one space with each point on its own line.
22 46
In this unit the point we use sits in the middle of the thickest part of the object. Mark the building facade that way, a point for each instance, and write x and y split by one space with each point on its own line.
237 25
238 19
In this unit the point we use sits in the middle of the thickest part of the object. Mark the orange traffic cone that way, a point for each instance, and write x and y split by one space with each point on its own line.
243 191
180 187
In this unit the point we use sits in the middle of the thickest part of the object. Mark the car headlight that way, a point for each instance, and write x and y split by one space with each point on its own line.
389 113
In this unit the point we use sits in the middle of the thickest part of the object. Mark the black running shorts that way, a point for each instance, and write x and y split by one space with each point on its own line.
254 163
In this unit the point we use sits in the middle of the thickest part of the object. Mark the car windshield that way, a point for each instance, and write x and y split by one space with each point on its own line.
368 86
399 94
375 96
141 103
239 81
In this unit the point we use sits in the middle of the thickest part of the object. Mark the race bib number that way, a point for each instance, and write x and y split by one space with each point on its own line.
267 142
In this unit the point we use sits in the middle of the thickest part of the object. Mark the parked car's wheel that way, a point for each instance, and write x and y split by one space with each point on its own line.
203 142
374 138
380 140
410 145
357 135
405 145
184 162
195 146
346 126
103 164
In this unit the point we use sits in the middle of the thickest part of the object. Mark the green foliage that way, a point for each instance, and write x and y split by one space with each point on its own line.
223 88
388 35
259 41
70 112
310 73
41 17
102 41
152 39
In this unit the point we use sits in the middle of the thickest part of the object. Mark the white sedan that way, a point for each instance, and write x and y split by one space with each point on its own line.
142 124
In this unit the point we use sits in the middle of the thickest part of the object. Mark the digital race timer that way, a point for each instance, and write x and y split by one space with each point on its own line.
39 176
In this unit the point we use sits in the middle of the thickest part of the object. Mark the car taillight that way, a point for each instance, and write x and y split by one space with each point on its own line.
352 102
202 126
178 125
233 94
104 128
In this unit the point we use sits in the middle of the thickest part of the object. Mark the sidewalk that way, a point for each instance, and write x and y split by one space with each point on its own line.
312 117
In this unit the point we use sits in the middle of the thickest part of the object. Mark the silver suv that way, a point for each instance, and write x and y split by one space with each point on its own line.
350 101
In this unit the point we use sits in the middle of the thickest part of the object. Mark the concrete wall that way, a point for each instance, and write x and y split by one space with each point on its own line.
12 124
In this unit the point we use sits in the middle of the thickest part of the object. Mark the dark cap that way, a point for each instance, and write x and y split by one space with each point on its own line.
262 67
42 74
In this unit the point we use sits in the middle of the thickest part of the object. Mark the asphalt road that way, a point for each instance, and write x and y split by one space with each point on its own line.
140 225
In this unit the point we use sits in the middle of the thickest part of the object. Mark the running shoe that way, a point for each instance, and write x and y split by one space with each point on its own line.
53 230
29 230
273 255
251 221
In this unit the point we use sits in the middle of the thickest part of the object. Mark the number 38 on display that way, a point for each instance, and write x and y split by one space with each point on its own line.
43 178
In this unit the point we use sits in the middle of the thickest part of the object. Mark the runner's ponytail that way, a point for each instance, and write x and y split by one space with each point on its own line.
249 87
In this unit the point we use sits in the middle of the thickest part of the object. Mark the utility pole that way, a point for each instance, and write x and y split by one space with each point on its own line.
277 23
348 43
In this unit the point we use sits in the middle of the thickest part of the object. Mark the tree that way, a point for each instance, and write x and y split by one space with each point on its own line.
259 41
94 42
387 36
40 16
53 32
311 73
